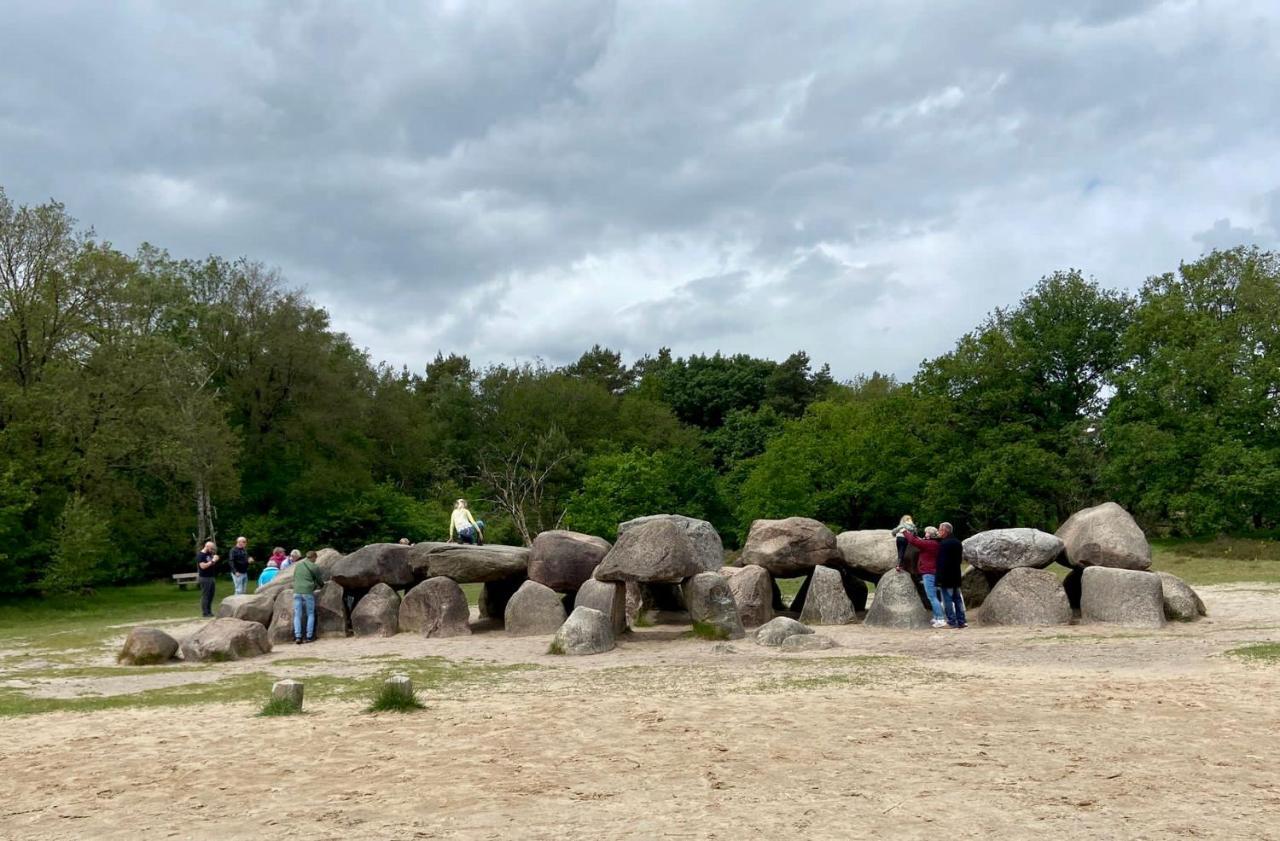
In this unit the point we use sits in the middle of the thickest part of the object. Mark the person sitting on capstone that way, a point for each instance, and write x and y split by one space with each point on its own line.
950 559
905 524
463 527
928 547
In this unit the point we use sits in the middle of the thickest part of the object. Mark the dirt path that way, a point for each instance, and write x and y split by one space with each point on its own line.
993 733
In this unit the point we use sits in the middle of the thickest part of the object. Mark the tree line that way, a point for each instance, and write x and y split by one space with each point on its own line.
149 402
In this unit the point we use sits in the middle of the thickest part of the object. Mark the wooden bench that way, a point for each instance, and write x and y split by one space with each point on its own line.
182 579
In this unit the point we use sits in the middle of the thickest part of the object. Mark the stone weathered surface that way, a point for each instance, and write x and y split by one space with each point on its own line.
1122 597
419 555
1026 596
436 608
289 691
378 563
635 602
608 597
975 586
896 603
1104 536
807 642
467 564
534 609
282 581
710 603
494 596
586 631
826 602
708 549
281 628
331 611
377 614
873 551
226 639
1001 550
252 608
655 551
776 630
752 592
790 547
1181 603
146 647
562 560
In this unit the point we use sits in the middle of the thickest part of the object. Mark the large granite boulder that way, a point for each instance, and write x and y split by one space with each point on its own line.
711 606
281 628
896 603
790 547
1122 597
752 589
1001 550
562 560
226 639
419 555
331 611
777 629
436 608
708 549
377 614
1026 596
1104 536
1181 603
494 596
379 563
282 581
146 647
586 631
534 609
467 564
659 550
826 602
256 607
872 552
608 597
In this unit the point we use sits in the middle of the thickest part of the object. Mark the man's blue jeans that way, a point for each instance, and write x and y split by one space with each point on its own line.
931 590
305 604
239 579
953 602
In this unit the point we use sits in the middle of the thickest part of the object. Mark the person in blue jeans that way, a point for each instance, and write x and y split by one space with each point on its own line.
306 580
929 570
950 559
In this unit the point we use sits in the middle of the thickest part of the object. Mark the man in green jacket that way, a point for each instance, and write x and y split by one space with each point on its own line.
306 580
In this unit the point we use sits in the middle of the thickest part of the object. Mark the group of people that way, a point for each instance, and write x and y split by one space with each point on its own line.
936 564
306 580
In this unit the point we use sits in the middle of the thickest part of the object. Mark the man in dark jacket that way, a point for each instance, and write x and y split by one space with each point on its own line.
207 575
950 557
239 560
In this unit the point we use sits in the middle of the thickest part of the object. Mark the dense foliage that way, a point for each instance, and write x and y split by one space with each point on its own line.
147 402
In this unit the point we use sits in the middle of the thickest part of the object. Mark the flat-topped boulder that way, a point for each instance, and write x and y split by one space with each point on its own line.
1026 596
790 547
708 548
226 639
1104 536
378 563
419 558
870 551
562 560
256 607
1000 550
752 589
896 603
467 564
1122 597
658 550
436 608
147 647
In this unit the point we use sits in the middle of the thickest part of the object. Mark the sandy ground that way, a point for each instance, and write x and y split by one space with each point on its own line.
1079 732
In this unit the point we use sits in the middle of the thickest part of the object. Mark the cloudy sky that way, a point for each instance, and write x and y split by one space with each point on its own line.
524 179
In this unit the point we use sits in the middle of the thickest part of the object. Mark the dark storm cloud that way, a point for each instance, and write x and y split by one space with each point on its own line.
525 179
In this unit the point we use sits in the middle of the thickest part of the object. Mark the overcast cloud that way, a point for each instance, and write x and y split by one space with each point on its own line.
524 179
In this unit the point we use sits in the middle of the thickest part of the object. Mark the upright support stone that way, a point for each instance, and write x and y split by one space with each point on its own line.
401 686
288 690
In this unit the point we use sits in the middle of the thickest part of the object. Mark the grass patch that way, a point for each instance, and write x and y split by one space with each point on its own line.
1262 652
1222 561
279 706
472 592
556 647
707 631
642 620
388 698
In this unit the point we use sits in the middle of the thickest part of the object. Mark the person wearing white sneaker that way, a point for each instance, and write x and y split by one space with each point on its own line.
929 569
